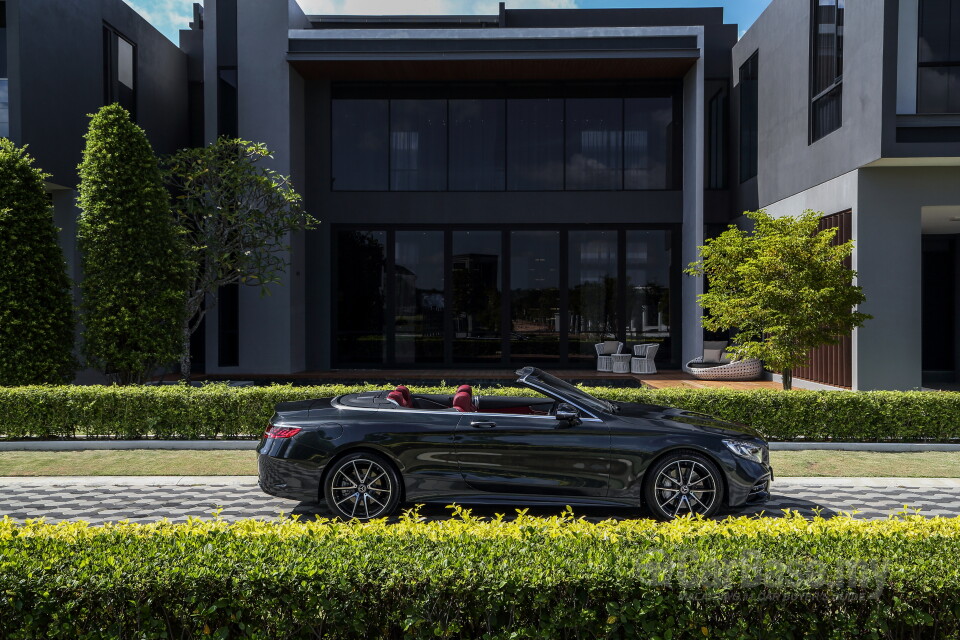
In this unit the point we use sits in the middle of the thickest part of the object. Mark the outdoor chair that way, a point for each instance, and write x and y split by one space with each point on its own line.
643 355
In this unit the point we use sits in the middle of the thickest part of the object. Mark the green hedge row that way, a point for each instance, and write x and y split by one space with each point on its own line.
219 411
466 578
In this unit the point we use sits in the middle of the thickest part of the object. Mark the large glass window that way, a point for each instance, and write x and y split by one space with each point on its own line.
418 296
594 143
535 296
477 296
418 145
938 75
648 136
593 291
648 289
360 154
749 96
826 72
477 145
535 145
361 296
120 56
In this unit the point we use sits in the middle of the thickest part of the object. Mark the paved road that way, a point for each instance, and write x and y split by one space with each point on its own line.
146 499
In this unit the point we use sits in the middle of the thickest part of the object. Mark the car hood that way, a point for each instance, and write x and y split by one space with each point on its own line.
685 420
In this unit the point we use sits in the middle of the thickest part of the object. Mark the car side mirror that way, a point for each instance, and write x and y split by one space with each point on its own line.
567 413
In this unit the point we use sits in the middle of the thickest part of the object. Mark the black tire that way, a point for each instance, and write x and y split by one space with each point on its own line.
363 486
681 483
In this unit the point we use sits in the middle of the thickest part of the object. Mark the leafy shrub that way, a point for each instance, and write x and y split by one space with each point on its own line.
521 578
36 308
218 411
134 257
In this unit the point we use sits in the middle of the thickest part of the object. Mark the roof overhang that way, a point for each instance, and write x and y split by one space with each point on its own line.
512 53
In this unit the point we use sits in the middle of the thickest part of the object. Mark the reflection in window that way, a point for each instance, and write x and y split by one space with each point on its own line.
360 145
121 63
749 98
360 291
647 140
938 75
648 289
4 108
476 296
535 145
594 144
535 296
477 141
418 145
418 291
593 291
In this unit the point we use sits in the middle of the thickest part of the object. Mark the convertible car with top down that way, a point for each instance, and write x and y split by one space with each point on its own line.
365 454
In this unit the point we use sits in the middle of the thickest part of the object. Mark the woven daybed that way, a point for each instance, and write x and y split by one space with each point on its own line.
749 369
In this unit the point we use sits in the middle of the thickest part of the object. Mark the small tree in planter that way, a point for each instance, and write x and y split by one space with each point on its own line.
237 215
784 288
134 257
36 309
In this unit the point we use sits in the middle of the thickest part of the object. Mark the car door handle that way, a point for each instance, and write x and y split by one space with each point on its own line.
483 425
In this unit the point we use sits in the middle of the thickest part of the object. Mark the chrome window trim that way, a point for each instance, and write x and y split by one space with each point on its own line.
336 405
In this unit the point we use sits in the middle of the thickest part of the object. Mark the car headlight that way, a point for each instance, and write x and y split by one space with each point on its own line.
748 450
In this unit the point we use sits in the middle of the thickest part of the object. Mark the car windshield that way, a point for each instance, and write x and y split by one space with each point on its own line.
553 385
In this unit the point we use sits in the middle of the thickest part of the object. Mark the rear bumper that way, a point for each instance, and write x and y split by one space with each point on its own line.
291 479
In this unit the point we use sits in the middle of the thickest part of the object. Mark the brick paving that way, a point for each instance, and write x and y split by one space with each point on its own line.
145 499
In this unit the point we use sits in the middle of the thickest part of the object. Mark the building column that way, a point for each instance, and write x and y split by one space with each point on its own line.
693 159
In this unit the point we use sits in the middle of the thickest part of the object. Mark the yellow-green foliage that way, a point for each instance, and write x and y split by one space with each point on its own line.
525 577
217 411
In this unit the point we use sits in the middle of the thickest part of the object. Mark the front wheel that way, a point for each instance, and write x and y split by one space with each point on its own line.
683 483
362 486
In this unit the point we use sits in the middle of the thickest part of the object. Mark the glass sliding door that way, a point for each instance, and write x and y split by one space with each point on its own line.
648 289
477 296
593 292
361 297
418 145
418 296
535 296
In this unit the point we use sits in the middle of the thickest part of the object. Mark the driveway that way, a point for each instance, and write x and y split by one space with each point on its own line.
146 499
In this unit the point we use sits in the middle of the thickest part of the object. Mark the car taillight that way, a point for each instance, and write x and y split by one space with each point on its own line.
281 432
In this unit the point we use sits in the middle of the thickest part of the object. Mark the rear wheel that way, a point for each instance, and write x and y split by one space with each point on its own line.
362 486
684 483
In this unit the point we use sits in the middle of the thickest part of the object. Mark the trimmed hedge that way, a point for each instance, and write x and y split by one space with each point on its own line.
220 411
529 577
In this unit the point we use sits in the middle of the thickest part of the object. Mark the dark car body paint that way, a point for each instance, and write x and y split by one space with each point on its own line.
522 460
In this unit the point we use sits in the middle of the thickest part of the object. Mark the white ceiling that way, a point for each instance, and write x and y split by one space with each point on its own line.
944 219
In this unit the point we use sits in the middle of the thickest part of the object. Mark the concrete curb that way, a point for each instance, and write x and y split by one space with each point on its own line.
88 445
879 447
128 481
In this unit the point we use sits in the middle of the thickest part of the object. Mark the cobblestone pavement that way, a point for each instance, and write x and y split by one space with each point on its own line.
147 499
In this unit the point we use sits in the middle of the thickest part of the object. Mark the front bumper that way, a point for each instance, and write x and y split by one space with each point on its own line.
749 483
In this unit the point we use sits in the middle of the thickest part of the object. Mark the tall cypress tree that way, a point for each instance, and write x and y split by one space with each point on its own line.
36 310
133 253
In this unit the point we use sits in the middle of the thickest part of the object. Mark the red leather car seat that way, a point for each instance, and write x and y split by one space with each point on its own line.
463 402
405 394
397 397
465 388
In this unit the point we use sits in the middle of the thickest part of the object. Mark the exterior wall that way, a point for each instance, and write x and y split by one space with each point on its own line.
55 56
691 337
788 162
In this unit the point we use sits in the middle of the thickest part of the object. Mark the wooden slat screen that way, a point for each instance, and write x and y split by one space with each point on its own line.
833 363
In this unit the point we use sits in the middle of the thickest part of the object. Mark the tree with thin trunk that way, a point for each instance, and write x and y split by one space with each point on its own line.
785 288
36 306
133 256
237 215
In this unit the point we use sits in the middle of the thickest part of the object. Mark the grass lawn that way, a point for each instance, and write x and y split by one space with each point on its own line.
143 462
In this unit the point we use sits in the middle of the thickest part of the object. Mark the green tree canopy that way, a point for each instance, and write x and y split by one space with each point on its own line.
784 287
36 309
134 256
237 215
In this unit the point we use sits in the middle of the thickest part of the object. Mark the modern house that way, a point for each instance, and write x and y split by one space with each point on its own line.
512 188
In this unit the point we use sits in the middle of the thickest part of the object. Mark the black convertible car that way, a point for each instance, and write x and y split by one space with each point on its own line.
366 453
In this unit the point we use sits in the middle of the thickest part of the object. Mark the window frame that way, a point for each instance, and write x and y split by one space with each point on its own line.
834 90
111 68
952 63
754 164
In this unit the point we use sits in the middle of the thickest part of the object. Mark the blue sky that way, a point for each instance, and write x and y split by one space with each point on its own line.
169 16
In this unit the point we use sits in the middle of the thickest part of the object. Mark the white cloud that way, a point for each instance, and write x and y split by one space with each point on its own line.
167 16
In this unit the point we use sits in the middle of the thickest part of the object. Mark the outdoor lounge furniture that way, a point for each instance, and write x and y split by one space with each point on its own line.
621 362
643 355
605 350
749 369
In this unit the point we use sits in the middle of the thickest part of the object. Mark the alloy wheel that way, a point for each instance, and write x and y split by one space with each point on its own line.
685 486
361 488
